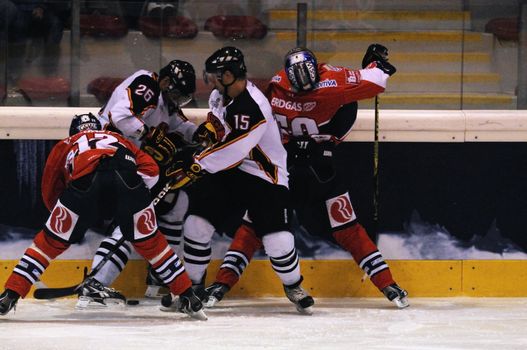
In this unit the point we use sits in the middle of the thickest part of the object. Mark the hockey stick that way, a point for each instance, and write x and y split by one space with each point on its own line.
376 172
52 293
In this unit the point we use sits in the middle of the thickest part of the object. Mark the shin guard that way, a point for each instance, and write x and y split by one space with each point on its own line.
33 263
243 246
165 262
356 241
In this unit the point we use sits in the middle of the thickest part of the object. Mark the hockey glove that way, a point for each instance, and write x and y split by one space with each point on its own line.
210 131
379 54
183 174
160 145
301 148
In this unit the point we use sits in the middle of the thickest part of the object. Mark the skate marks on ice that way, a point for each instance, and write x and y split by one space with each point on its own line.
273 323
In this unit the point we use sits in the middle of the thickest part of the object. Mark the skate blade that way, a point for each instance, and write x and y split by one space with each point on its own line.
401 303
87 303
305 311
197 315
211 302
155 292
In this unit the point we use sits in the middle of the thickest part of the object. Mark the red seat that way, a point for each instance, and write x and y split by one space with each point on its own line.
45 88
103 87
236 27
103 26
504 28
179 27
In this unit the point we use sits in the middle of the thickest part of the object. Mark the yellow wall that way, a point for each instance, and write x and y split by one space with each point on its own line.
332 278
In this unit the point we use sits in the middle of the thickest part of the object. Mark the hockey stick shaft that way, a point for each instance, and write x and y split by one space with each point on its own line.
376 171
52 293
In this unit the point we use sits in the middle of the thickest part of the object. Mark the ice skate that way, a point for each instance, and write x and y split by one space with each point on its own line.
298 296
8 300
154 286
214 294
396 295
94 295
187 303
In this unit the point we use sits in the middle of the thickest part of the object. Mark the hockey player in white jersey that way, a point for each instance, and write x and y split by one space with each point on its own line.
146 108
244 172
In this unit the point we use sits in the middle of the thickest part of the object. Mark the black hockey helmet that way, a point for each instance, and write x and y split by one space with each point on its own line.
301 68
182 81
83 122
227 58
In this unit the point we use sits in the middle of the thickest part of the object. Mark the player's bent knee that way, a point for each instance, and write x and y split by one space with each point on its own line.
278 243
198 229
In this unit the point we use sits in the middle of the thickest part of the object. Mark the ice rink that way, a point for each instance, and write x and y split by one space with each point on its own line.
273 323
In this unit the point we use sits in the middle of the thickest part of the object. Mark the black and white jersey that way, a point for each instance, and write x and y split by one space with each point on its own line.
252 138
137 102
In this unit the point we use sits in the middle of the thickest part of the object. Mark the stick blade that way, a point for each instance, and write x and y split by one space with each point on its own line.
53 293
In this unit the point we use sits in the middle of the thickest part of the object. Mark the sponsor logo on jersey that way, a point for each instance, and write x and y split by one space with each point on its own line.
145 223
352 77
293 106
62 221
276 79
340 211
326 84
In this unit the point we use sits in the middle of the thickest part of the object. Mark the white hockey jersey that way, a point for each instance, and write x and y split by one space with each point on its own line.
137 102
252 138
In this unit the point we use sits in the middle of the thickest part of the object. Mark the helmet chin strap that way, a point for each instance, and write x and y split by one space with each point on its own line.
226 96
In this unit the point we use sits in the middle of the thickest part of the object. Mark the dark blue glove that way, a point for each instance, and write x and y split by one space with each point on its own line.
379 54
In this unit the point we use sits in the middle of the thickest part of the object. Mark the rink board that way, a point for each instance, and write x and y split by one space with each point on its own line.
332 278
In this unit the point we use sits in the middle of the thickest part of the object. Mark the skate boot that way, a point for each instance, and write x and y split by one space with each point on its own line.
396 295
187 303
93 294
298 296
8 300
215 293
154 286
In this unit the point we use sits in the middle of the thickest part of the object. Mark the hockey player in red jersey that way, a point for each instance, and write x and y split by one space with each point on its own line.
315 106
90 169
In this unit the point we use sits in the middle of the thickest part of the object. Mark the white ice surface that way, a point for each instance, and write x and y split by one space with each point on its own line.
273 323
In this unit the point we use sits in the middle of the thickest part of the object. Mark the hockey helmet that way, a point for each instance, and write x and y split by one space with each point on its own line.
83 122
182 81
227 58
301 69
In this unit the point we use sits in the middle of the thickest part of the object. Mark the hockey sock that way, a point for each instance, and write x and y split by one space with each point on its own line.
165 262
115 264
240 253
280 247
356 241
33 263
197 247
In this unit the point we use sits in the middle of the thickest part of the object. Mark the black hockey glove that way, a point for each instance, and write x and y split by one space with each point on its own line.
160 145
302 148
210 131
379 54
183 173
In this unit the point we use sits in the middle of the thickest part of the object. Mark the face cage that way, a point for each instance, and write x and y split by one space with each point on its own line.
177 97
209 78
300 76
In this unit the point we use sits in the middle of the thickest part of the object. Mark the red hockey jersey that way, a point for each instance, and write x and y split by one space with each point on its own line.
79 155
302 113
